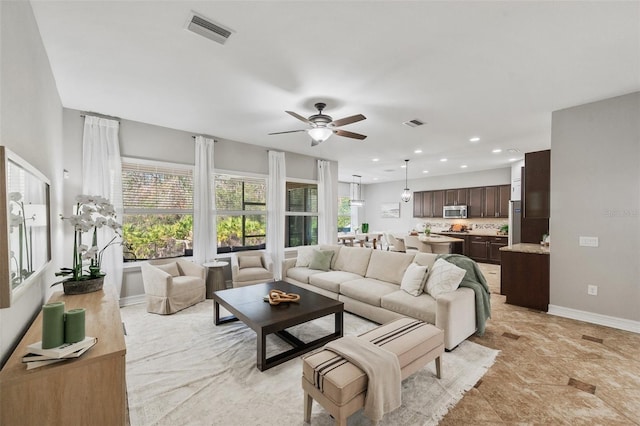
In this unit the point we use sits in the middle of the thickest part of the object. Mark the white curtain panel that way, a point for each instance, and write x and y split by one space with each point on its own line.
327 226
102 175
276 196
205 241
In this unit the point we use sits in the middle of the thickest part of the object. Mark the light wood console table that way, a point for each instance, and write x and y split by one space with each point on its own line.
83 391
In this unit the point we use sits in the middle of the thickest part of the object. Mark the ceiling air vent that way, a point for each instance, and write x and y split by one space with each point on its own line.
208 29
413 123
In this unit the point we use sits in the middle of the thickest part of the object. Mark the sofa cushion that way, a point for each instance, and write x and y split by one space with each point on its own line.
444 277
367 290
249 261
332 280
413 280
425 259
321 260
251 274
422 307
335 249
301 274
170 268
304 255
353 259
388 266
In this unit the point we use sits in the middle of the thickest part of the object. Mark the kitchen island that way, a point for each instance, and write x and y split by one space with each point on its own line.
524 275
441 244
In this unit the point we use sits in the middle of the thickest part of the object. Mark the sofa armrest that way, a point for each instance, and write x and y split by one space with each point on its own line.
235 266
268 262
286 265
192 269
156 282
456 315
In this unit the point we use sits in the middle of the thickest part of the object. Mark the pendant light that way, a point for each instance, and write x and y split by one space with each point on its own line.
356 197
406 194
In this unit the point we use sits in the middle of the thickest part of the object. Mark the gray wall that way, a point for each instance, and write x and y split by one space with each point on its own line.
389 192
595 191
30 126
147 141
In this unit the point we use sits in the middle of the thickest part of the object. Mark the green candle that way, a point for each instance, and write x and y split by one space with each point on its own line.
52 325
74 325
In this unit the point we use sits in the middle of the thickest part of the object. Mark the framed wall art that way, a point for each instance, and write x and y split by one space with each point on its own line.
390 210
25 225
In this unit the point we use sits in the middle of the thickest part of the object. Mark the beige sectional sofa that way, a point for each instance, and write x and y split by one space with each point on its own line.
368 282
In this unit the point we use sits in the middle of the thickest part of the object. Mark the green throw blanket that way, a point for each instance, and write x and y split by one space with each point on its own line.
475 281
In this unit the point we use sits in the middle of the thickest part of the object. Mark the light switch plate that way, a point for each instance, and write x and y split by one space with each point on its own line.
589 241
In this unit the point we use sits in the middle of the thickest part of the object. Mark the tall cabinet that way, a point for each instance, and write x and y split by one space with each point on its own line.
536 188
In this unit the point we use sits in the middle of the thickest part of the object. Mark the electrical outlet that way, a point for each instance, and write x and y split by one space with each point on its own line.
589 241
592 290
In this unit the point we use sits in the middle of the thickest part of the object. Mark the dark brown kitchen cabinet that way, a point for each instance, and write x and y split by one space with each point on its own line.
504 195
427 204
536 186
524 279
438 202
474 205
490 200
485 249
456 197
417 204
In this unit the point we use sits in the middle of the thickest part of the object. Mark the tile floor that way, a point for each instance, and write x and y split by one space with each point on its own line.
551 371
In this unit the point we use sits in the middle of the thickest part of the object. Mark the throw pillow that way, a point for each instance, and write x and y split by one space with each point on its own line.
321 260
413 279
304 256
170 268
444 277
250 262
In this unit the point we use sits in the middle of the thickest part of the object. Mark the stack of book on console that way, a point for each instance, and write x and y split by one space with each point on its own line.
38 357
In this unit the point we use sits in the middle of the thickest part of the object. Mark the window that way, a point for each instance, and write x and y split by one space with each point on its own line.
158 209
344 214
301 220
241 212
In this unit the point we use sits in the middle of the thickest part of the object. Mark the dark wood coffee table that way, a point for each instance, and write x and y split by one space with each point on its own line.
247 304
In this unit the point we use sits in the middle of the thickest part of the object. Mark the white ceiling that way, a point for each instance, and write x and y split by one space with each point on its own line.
490 69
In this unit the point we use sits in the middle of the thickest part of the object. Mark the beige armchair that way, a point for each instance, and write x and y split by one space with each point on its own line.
412 243
251 267
394 244
172 285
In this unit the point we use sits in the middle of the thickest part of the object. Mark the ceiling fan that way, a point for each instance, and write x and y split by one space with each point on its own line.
323 126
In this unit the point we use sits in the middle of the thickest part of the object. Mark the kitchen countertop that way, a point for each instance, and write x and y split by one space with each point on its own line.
472 233
434 239
526 248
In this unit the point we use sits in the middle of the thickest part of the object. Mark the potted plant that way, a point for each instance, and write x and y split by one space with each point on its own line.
92 212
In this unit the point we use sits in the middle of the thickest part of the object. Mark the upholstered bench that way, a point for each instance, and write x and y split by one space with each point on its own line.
340 387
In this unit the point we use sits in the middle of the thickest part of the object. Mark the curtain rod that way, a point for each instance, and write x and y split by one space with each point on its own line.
95 114
193 137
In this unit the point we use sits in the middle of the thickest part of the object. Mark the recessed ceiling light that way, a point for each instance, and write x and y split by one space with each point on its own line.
464 166
443 159
417 151
425 171
513 159
375 159
497 150
375 178
474 139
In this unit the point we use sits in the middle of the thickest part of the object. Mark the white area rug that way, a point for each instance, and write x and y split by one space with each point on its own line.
183 370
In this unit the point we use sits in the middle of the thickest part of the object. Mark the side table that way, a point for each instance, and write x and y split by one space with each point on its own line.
215 277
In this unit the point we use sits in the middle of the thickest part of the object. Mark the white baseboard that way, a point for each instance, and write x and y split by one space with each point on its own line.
613 322
132 300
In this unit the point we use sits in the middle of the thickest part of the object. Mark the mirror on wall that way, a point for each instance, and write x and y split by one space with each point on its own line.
25 225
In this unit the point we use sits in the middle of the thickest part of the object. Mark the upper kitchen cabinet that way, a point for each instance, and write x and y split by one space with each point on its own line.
475 205
537 184
456 197
438 202
417 204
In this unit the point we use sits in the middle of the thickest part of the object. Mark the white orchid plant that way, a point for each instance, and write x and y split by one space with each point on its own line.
92 213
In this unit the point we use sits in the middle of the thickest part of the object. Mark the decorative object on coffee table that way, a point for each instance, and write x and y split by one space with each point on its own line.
278 296
91 213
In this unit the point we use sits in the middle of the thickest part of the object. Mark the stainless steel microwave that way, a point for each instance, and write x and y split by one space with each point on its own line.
454 212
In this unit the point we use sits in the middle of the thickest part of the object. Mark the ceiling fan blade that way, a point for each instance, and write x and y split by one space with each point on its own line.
288 131
347 134
348 120
298 116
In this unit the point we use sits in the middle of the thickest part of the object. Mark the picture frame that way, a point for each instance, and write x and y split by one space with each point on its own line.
390 210
25 225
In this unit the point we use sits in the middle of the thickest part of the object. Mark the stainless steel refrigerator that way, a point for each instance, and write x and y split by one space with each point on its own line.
515 216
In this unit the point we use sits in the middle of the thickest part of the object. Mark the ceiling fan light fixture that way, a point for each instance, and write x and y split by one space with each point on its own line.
406 193
320 134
